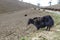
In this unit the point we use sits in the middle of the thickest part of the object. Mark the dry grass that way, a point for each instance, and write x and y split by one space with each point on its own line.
54 34
14 26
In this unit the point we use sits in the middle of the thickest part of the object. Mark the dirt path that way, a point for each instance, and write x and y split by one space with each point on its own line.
15 22
11 22
13 25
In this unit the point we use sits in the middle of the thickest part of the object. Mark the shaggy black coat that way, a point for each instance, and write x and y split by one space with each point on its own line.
41 22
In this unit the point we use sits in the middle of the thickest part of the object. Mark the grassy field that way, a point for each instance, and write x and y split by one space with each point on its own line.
41 34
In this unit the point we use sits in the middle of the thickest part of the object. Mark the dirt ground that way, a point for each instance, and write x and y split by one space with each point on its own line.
13 25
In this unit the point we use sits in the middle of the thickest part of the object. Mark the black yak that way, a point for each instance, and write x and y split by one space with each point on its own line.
41 22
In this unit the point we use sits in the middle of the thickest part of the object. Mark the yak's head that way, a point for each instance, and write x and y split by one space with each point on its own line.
34 21
30 21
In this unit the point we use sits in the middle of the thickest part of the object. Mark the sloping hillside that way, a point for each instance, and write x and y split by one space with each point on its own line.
14 26
57 6
13 5
53 7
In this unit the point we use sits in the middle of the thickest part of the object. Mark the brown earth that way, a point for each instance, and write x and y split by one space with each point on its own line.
14 25
13 5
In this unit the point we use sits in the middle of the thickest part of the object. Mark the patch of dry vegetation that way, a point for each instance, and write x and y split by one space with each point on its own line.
54 34
14 26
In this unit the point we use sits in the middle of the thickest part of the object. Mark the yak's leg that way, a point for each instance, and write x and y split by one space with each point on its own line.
38 28
48 28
